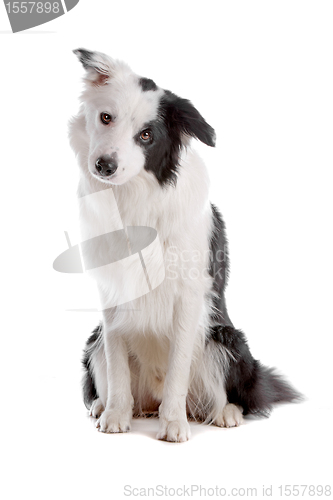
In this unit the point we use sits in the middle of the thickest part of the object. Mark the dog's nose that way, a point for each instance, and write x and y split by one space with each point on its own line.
106 165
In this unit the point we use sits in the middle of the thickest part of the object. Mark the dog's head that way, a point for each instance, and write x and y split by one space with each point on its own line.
132 124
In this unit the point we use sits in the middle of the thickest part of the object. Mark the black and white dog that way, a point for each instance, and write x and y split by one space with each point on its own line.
173 349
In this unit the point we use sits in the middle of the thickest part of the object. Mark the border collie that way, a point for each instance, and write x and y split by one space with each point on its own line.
171 350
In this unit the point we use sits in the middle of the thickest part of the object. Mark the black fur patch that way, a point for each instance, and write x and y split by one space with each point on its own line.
147 84
176 117
218 269
89 389
85 57
180 115
162 152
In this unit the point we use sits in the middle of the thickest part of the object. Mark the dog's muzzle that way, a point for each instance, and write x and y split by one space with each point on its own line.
106 165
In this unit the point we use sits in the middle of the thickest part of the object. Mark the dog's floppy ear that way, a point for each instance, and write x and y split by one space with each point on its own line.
98 66
181 114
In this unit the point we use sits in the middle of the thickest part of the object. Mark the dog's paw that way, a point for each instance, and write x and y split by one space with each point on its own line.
96 408
231 416
175 431
114 421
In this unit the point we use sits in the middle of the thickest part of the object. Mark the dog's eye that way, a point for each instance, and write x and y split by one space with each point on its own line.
106 118
146 135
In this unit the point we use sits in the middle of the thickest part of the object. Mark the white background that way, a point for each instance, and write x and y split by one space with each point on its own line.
261 74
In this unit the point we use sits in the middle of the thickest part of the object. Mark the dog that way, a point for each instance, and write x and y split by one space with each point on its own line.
173 351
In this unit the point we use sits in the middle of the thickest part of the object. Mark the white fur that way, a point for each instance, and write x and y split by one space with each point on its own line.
153 348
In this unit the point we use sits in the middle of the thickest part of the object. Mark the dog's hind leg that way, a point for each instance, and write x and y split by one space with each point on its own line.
249 384
231 416
207 399
96 408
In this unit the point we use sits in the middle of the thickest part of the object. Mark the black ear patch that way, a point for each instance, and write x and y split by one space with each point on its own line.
93 62
96 65
85 57
181 115
147 84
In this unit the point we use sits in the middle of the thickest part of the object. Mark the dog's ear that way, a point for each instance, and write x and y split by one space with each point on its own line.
182 115
98 66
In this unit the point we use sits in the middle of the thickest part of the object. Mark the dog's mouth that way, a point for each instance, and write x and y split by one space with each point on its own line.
114 179
104 179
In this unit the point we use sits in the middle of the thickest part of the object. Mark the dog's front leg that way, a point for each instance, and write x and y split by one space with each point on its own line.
173 425
118 410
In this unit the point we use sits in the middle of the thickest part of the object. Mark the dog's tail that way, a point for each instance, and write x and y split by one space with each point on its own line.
248 383
88 384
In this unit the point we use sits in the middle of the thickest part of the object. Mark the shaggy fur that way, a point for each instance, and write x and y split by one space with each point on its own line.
173 350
